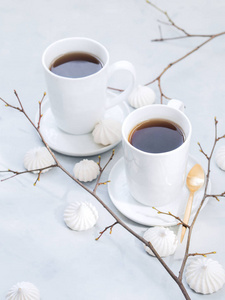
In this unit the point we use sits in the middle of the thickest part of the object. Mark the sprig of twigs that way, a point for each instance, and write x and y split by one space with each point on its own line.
178 279
209 37
170 22
94 193
209 158
205 195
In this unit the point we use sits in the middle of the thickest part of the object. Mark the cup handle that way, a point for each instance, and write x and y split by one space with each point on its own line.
121 65
177 104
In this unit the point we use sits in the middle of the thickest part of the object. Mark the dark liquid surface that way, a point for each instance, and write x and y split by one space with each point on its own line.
156 136
75 65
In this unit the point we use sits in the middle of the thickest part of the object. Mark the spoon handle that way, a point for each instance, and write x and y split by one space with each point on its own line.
187 215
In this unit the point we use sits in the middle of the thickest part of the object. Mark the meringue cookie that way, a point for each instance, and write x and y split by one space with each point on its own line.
177 104
141 96
38 158
205 275
220 158
107 132
163 240
86 170
80 216
23 291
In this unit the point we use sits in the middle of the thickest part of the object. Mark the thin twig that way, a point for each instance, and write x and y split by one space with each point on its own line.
203 152
181 37
108 227
170 214
216 196
16 173
201 254
38 178
40 113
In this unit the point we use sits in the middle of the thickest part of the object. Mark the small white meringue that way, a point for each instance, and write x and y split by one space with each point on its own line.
220 158
107 132
23 291
141 96
163 240
80 216
86 170
205 275
38 158
177 104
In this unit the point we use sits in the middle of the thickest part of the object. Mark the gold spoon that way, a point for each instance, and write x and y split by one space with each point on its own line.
195 180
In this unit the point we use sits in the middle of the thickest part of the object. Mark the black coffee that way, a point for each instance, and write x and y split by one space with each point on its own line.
75 65
156 136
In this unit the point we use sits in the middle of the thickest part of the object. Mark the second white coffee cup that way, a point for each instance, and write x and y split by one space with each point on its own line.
155 179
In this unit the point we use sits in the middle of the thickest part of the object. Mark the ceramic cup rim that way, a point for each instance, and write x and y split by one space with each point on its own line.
138 111
56 43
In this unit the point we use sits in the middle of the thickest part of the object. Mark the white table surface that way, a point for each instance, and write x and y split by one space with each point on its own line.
35 244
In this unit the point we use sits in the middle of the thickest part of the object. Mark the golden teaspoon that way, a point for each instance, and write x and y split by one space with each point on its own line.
195 180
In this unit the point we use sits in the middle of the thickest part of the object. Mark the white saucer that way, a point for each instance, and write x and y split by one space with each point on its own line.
146 215
76 145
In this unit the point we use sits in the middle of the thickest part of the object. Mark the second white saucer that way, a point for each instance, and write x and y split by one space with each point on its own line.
146 215
76 145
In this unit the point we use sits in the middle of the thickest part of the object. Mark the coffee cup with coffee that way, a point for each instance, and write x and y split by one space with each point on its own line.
156 141
77 72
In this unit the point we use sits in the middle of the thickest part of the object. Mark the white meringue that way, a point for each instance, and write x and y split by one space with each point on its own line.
107 132
80 216
177 104
86 170
163 240
23 291
141 96
205 275
220 158
38 158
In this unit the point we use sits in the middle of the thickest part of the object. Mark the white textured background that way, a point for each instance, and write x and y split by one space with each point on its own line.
35 245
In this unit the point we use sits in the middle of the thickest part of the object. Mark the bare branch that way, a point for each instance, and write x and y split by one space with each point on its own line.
172 23
118 220
202 202
209 37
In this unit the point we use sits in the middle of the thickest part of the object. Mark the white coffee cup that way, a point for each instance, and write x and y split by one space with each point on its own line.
155 179
79 103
